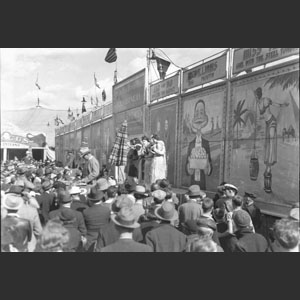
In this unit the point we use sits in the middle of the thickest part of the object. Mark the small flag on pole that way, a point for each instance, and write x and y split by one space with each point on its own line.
96 82
162 67
103 95
111 55
83 110
36 83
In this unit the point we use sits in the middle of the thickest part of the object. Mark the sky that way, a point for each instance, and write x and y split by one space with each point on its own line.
65 75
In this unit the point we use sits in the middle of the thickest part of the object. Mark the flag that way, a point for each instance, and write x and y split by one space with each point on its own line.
36 83
111 55
96 82
83 110
83 99
60 120
115 77
162 67
103 95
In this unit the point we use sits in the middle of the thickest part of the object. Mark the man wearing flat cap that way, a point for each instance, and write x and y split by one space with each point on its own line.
191 210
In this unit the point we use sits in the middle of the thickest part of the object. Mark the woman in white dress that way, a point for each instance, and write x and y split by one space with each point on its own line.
159 164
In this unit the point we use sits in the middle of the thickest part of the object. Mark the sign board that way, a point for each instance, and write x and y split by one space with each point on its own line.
129 93
247 58
164 88
134 119
205 73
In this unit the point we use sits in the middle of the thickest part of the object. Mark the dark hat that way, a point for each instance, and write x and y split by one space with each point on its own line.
250 195
241 218
121 201
21 170
67 216
15 189
126 217
95 195
206 222
166 212
64 197
219 213
39 172
59 184
195 191
46 185
48 171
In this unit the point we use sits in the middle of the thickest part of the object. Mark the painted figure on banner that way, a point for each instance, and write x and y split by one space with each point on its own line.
159 164
199 163
270 149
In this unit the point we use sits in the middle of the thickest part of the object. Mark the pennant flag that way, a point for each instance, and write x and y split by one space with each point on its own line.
83 110
103 95
36 83
115 77
162 67
92 101
60 120
83 99
96 82
56 122
111 55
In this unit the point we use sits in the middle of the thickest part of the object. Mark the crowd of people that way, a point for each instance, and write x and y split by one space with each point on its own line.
51 208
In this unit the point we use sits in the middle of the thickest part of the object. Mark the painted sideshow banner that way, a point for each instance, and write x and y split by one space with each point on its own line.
201 139
129 93
134 119
163 120
265 133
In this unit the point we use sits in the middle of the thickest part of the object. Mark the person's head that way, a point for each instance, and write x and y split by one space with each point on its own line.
155 138
169 194
286 233
140 192
207 205
241 219
112 192
205 227
102 185
203 244
230 190
54 237
195 193
154 186
95 196
166 212
258 92
219 215
200 119
237 201
158 196
120 202
125 219
63 197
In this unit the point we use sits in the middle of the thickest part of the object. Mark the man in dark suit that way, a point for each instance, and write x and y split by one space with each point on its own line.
64 199
125 221
96 216
199 163
165 237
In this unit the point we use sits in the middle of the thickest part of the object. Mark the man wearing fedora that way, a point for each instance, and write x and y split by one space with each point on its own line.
192 209
93 167
77 203
109 233
96 216
16 232
125 221
165 237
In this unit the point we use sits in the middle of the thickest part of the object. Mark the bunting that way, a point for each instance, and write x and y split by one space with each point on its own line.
96 82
